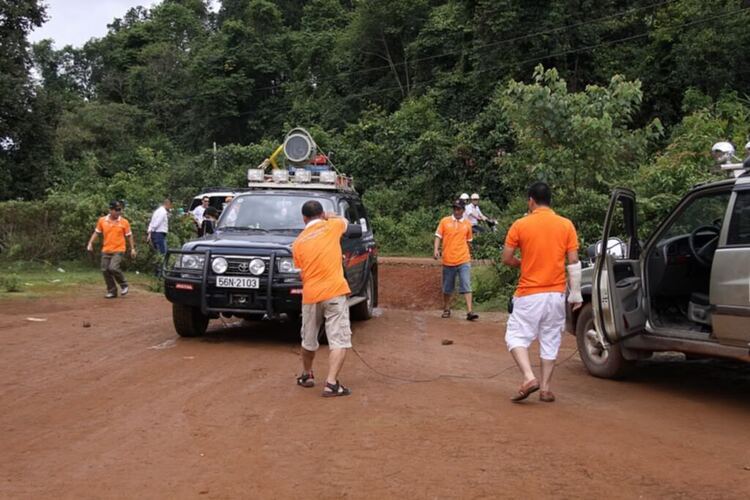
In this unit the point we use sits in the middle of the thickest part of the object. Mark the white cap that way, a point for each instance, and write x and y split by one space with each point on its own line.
464 196
474 196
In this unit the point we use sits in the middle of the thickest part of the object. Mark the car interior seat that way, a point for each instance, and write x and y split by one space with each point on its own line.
699 308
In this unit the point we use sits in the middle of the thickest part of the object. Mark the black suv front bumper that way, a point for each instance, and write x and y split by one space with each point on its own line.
197 287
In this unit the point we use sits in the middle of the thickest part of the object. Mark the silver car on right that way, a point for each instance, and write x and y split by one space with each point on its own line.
685 289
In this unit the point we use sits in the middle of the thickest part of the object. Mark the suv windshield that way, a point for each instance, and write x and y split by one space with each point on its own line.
268 212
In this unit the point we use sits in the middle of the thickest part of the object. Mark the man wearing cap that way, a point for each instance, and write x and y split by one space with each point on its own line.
474 214
115 229
454 233
545 240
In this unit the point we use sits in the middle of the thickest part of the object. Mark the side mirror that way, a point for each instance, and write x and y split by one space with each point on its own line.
353 231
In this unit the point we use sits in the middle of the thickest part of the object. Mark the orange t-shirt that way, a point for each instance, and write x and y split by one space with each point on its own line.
544 239
114 233
317 253
456 235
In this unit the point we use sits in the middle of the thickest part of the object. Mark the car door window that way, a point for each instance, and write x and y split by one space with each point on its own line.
350 212
739 224
706 210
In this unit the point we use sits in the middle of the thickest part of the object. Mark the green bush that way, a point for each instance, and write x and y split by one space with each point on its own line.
10 283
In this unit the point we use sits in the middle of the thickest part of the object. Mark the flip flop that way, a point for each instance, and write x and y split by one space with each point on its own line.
446 313
526 390
547 396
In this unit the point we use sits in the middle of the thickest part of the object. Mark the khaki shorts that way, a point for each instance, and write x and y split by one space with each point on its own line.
335 312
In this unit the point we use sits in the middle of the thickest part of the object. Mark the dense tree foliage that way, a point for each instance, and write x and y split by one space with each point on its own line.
419 99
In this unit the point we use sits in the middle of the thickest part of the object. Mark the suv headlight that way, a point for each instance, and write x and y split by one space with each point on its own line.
219 265
187 261
257 267
286 265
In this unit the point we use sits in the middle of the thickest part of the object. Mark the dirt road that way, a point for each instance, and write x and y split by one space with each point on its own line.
124 408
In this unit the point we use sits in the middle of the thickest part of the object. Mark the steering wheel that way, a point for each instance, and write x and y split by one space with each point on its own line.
704 254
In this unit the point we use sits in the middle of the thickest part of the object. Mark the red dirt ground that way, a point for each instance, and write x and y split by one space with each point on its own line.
125 408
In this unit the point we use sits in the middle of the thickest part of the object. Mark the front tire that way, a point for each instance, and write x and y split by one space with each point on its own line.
189 321
600 362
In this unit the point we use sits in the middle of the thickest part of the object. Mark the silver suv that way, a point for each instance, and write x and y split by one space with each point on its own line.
686 289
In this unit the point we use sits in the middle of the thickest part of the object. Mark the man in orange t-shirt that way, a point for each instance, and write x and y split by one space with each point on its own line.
545 240
455 234
114 229
317 254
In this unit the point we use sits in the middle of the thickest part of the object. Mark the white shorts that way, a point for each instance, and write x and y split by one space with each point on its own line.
542 316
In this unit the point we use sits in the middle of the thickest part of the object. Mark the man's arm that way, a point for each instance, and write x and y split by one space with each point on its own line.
574 280
133 253
509 257
90 244
436 250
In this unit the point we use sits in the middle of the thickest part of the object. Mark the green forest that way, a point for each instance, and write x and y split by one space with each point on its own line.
419 100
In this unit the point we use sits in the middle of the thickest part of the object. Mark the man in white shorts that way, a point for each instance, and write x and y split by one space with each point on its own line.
545 240
317 253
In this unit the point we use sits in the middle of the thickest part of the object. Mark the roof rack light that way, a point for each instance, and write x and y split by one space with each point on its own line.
328 177
279 175
302 175
255 174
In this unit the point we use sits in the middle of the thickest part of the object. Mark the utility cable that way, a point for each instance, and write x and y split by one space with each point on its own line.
445 375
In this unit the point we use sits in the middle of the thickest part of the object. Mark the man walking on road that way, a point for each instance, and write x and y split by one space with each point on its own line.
454 232
114 229
545 240
159 227
317 253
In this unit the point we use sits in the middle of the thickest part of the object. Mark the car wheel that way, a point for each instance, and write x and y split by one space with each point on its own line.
189 321
600 362
363 311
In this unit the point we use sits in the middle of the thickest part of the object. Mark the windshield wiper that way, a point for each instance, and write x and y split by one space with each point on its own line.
242 228
285 230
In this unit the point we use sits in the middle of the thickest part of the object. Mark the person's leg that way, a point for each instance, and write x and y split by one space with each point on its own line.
161 243
464 287
449 285
339 333
521 357
551 327
312 316
108 279
520 332
114 270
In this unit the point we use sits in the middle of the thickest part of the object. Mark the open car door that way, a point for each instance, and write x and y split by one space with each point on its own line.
618 296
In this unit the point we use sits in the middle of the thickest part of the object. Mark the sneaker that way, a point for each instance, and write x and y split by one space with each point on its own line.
124 291
471 316
110 296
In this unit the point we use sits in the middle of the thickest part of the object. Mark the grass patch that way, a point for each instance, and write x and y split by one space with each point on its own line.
21 279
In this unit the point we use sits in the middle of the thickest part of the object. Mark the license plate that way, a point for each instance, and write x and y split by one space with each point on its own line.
237 282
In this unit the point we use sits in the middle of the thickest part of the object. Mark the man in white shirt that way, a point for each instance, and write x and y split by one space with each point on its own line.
159 227
200 210
474 214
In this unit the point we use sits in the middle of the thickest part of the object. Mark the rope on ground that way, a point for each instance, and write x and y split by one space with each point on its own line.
446 375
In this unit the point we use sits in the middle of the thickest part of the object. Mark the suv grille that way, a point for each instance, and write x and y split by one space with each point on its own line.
239 266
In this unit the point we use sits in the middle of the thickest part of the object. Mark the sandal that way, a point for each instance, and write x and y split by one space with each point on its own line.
446 313
547 396
525 390
306 379
335 390
471 316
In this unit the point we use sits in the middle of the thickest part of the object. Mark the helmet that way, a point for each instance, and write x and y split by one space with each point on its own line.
464 196
474 196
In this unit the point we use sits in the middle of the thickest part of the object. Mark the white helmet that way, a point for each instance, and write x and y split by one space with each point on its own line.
464 196
474 196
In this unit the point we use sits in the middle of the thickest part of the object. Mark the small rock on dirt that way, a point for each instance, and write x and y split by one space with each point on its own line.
86 324
447 342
